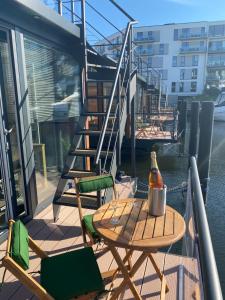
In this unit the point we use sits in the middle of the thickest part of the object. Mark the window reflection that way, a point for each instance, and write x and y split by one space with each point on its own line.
54 105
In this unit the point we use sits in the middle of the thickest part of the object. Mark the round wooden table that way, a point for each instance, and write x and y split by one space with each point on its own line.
135 229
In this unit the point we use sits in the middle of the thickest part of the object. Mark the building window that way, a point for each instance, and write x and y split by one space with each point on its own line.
182 74
150 35
193 86
174 62
139 36
175 34
194 73
194 60
182 61
181 87
161 48
173 87
185 32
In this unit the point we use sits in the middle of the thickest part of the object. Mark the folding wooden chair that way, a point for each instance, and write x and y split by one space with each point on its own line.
62 277
87 185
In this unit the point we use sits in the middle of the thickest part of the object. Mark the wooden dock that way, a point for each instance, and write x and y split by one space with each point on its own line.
65 235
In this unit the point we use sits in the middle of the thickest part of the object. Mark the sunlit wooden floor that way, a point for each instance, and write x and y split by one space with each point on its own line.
65 235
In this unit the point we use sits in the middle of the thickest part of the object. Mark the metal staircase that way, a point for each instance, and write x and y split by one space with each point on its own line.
108 88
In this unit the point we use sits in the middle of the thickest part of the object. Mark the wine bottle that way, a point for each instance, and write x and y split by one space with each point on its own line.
155 178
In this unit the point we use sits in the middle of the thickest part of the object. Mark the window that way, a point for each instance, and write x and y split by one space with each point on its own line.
174 62
181 87
182 61
175 34
161 48
185 32
193 86
173 87
194 60
194 73
182 74
139 36
150 35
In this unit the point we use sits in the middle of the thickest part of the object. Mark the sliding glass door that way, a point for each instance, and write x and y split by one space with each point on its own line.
11 178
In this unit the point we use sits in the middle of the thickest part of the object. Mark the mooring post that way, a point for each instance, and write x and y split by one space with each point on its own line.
194 129
182 119
205 144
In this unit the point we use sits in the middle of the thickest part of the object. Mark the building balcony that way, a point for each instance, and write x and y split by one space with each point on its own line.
217 65
192 36
146 39
217 50
193 50
213 78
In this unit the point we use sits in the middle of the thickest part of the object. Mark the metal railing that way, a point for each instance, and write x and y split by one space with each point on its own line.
115 84
209 273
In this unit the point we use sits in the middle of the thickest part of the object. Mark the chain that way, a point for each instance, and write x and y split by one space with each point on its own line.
180 187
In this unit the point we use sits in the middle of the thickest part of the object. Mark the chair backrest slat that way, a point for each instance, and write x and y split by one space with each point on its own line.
20 245
96 183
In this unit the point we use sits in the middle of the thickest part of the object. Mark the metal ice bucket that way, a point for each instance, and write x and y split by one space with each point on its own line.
157 201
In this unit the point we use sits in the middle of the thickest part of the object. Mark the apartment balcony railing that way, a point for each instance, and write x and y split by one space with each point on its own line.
193 49
151 52
213 78
192 36
216 50
220 64
146 39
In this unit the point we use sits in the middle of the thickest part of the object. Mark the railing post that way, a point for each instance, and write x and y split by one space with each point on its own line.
99 194
205 143
72 11
83 12
60 7
194 128
182 119
118 146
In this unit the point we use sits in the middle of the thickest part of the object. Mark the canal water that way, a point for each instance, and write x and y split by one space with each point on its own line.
173 168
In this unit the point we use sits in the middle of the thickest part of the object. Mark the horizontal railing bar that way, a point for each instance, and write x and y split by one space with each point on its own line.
209 273
122 10
101 15
98 32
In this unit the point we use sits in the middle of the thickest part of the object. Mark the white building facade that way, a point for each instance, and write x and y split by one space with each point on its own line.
189 56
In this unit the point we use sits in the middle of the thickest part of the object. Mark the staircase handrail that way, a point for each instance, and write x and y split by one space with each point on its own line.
119 66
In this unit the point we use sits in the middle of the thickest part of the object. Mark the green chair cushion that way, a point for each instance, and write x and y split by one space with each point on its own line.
20 245
71 274
95 183
88 223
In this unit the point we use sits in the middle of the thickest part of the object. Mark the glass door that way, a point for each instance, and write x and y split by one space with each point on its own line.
11 177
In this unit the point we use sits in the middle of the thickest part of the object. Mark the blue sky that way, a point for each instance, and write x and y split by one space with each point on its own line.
155 12
152 12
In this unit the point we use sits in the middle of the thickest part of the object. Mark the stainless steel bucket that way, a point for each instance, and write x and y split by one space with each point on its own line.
157 201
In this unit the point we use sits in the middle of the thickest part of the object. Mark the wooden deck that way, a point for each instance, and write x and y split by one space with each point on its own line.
65 235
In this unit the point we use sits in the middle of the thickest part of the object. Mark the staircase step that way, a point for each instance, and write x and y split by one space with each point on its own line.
97 114
95 132
89 152
102 66
70 199
77 174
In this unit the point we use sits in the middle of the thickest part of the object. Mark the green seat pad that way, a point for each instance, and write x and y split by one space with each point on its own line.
20 245
88 223
71 274
95 183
